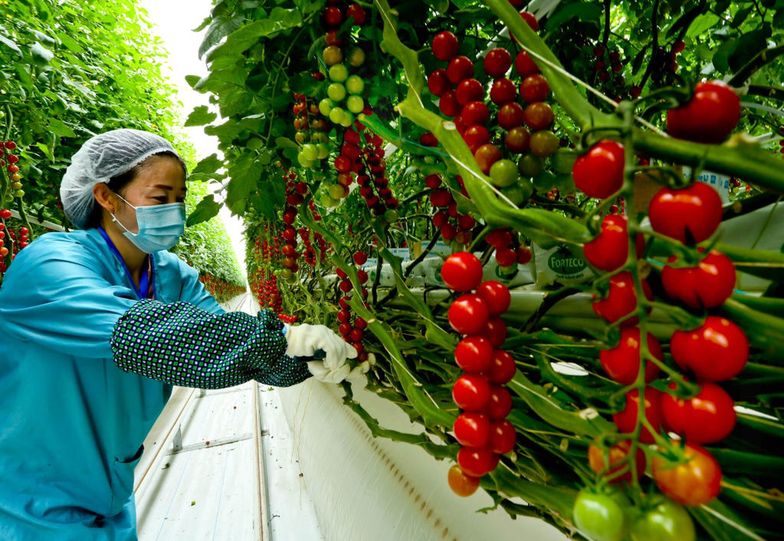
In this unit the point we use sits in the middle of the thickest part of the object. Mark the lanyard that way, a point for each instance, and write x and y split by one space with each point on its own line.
145 289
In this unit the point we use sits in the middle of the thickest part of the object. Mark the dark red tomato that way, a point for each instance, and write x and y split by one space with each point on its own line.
599 172
621 299
475 137
622 363
486 156
502 437
510 115
471 392
496 296
499 403
506 257
460 483
610 249
462 271
517 140
695 480
475 112
524 65
459 68
538 116
502 368
495 331
497 62
356 12
502 91
529 18
472 429
476 462
709 117
438 82
469 90
468 314
524 255
715 351
428 139
534 88
707 285
445 45
333 16
447 104
499 238
612 461
626 420
708 417
689 215
544 143
474 354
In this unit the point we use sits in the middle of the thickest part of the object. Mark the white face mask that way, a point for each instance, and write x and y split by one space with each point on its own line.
160 226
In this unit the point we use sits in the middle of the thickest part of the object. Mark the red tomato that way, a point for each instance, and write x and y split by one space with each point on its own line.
445 45
472 429
708 417
499 403
460 483
499 238
447 104
462 271
544 143
469 90
715 351
510 115
356 12
459 68
524 65
476 462
707 285
611 461
503 91
689 215
534 88
486 156
468 314
497 62
538 116
475 112
621 299
475 137
696 481
495 331
626 420
622 363
517 140
438 82
610 249
599 172
474 354
502 437
471 392
333 16
496 296
709 117
529 18
502 367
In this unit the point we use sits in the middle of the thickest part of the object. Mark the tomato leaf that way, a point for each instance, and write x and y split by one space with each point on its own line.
206 210
200 116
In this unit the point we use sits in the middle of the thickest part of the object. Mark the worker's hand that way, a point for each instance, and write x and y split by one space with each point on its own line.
305 340
356 375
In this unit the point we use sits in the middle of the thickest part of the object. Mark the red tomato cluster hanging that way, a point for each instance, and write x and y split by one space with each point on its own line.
450 222
295 196
509 251
362 153
481 428
10 162
352 327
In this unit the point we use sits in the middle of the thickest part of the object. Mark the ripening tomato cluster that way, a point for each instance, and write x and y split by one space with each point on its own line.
311 132
352 327
265 285
295 196
10 162
310 252
509 251
481 428
451 223
515 121
220 289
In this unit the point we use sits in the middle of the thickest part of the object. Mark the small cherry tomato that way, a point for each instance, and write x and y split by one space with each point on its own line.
626 420
689 215
471 392
715 351
622 363
460 483
694 481
599 172
468 314
707 417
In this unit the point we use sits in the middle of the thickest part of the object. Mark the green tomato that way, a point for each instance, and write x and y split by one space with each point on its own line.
355 104
338 73
530 165
599 517
336 191
327 201
303 161
325 106
336 92
347 120
504 173
668 521
323 151
337 114
355 84
356 57
520 192
309 152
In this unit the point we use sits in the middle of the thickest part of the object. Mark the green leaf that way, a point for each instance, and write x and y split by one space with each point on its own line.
192 80
748 46
210 164
10 44
46 150
39 51
722 55
285 142
58 127
579 11
243 38
206 210
200 116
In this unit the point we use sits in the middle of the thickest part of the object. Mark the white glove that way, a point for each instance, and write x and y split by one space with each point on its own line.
356 375
305 340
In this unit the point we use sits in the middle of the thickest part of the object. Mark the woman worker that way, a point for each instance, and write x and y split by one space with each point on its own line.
96 325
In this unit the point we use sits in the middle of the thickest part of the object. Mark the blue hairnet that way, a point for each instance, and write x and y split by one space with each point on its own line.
102 157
